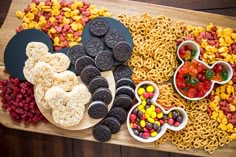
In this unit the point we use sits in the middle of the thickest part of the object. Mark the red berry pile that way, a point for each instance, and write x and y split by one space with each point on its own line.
17 98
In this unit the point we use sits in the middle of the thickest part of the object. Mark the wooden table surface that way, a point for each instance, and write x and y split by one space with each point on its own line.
16 143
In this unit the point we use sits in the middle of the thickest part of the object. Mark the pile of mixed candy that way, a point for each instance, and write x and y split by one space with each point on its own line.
150 55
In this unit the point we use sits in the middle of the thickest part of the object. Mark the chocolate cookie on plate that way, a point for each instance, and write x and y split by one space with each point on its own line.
98 27
112 37
75 52
104 60
101 133
88 73
123 101
127 90
118 113
102 94
113 124
83 62
97 82
94 45
97 110
122 51
125 82
122 71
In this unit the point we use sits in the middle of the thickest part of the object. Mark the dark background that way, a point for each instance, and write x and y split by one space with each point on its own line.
14 143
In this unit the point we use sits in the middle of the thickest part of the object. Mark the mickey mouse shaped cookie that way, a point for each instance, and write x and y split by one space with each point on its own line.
194 79
56 89
147 120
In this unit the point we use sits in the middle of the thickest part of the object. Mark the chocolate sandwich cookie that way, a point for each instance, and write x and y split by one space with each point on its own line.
122 71
101 133
97 109
112 37
97 82
88 73
123 101
93 46
125 90
122 51
104 60
98 27
125 82
83 62
118 113
112 123
75 52
102 94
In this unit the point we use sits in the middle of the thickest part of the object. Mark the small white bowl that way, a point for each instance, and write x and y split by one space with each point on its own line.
163 127
194 45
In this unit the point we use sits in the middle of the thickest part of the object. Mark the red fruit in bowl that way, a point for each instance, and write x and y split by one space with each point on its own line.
192 93
218 68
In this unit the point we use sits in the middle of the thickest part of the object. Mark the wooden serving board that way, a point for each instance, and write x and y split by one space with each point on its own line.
86 122
117 7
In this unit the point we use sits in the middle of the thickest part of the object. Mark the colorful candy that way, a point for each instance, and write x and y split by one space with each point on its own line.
194 79
147 119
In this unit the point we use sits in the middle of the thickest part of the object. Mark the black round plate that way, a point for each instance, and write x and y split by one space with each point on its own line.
114 24
15 56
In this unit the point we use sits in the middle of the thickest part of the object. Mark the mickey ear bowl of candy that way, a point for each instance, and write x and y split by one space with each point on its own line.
147 120
194 79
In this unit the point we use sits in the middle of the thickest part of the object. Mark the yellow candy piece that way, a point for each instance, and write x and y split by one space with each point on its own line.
74 6
151 120
224 121
141 91
55 12
52 30
149 111
150 89
232 108
154 114
158 123
142 123
144 102
140 107
160 115
19 14
67 14
143 110
74 12
73 44
147 115
25 25
107 14
30 16
153 107
74 26
154 133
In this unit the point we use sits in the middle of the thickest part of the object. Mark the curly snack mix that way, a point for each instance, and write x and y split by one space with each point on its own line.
154 51
218 43
201 132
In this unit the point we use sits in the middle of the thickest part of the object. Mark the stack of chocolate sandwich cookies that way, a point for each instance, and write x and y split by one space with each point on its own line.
122 104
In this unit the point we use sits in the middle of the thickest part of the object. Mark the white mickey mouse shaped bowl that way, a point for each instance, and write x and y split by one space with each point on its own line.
147 120
194 79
